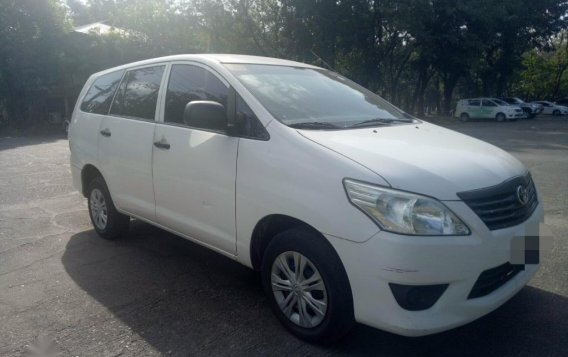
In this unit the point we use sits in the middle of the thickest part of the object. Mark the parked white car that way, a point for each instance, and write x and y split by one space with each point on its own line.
487 108
554 109
351 209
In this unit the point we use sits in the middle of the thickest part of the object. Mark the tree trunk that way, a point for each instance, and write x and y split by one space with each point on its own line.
421 85
450 80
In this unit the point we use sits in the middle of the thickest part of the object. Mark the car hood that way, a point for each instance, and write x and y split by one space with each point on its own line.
423 158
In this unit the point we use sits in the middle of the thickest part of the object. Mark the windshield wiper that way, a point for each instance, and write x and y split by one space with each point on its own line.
314 125
381 121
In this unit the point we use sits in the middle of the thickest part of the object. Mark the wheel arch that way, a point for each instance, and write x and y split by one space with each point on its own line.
268 227
88 173
464 115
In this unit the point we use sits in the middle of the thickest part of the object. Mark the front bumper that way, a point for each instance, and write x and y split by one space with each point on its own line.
456 261
516 115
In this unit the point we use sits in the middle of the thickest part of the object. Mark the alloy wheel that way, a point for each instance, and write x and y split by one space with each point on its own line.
99 212
299 289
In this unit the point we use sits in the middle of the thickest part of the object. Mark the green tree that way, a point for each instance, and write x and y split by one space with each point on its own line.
546 72
31 34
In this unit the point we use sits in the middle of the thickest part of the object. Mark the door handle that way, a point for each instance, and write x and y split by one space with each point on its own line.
163 144
105 132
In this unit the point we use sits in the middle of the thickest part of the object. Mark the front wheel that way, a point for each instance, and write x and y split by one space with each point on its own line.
556 113
107 221
307 286
500 117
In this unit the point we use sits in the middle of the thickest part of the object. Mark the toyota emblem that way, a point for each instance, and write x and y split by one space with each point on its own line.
522 195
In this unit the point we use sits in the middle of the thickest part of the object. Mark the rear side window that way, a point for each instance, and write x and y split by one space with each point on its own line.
98 98
188 83
138 93
474 102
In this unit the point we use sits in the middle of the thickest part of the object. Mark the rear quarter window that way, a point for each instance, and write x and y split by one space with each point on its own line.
100 94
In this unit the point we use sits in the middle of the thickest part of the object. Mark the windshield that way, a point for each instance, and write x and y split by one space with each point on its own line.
315 98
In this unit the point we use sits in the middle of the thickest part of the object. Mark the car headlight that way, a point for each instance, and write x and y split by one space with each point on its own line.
403 212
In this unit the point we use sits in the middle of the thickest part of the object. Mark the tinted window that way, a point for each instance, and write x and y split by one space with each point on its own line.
487 103
98 98
188 83
474 102
138 93
248 125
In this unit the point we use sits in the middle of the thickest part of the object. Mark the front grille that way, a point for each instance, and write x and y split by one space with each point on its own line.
492 279
500 206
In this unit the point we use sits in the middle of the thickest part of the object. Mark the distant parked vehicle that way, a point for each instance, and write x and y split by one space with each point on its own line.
487 108
554 109
530 109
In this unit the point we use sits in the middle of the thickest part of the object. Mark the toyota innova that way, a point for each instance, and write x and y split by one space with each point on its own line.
351 209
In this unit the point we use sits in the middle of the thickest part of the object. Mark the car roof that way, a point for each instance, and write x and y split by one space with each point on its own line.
488 98
213 58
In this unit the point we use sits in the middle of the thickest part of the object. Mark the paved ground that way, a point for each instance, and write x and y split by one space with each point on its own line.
156 294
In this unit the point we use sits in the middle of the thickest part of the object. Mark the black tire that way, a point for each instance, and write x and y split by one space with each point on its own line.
500 117
556 113
339 317
464 117
116 224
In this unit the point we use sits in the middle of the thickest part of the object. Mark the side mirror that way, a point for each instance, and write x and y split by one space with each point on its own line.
206 114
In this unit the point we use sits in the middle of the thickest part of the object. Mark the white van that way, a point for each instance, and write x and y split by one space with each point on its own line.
351 209
487 108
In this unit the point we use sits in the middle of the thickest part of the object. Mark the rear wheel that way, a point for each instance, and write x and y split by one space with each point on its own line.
500 117
307 286
107 221
464 117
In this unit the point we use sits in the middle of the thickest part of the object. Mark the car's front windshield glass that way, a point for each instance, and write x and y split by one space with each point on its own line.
315 98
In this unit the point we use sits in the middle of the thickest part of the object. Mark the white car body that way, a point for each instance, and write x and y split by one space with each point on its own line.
216 189
552 108
487 108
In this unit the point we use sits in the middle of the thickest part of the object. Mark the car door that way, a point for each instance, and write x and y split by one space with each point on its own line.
87 121
474 108
488 109
195 163
126 137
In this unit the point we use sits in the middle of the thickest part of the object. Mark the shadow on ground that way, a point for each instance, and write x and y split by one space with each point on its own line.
11 142
182 299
